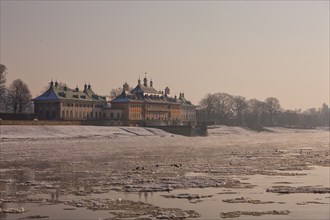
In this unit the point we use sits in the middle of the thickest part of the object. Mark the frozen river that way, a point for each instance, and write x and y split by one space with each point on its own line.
86 172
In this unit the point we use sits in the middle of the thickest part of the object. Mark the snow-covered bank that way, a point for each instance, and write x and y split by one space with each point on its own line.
38 132
217 130
76 131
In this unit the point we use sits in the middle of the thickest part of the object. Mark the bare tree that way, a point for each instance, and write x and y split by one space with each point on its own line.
3 91
19 96
324 115
207 104
239 105
255 113
273 106
3 73
289 118
223 106
117 91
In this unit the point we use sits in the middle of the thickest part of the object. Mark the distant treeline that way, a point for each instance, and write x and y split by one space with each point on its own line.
222 108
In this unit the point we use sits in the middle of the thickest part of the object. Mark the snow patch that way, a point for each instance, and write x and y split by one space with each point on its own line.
68 131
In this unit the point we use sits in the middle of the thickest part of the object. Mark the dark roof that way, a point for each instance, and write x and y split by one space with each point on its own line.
141 89
184 101
142 93
139 97
59 93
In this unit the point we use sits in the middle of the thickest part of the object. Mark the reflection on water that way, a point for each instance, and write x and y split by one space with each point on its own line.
13 187
57 211
209 208
55 195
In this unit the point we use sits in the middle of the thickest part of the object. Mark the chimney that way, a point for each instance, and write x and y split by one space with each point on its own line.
51 83
89 86
151 83
139 81
77 89
85 87
167 91
56 84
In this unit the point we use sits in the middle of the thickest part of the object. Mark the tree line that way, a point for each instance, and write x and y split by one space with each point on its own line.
217 108
16 98
226 109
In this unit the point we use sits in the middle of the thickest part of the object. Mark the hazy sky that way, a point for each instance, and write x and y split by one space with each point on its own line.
250 48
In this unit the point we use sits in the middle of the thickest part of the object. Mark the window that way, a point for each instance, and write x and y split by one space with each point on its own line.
111 115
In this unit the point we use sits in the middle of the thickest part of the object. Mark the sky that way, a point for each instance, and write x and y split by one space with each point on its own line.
256 49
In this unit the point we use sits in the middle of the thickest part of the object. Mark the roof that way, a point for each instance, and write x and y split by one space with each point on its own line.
55 92
148 94
141 89
141 93
184 101
126 96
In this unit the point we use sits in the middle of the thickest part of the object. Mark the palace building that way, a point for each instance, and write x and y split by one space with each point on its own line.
62 103
146 106
141 106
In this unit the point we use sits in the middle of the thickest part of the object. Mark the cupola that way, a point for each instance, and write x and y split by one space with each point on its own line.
145 81
125 87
